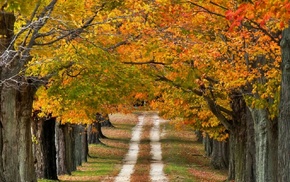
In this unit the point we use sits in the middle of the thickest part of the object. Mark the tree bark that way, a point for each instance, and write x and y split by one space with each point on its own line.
266 146
199 136
44 149
93 132
220 155
273 150
60 150
242 150
231 169
1 148
65 149
106 122
99 129
284 115
208 145
69 148
78 150
37 132
85 143
15 112
72 147
49 149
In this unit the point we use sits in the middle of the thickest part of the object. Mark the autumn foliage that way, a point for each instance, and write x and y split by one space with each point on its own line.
211 49
172 53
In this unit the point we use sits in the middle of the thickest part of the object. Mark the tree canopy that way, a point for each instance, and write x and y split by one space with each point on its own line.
181 55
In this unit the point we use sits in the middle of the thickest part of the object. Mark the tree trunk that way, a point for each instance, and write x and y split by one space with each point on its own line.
93 132
199 136
231 170
208 145
49 149
78 130
66 157
273 150
106 122
242 150
250 146
15 113
1 148
220 155
284 115
85 151
266 150
99 129
37 127
69 147
60 150
44 148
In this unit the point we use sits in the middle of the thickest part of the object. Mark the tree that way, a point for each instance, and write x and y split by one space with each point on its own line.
44 148
283 140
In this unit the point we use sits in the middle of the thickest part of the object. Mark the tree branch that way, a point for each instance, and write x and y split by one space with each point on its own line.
222 7
215 109
72 34
147 62
164 79
263 30
205 9
212 80
117 45
51 32
224 110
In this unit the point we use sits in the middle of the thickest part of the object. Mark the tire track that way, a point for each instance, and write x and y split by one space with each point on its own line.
156 172
132 155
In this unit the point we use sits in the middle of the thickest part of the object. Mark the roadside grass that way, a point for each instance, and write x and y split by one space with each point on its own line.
184 157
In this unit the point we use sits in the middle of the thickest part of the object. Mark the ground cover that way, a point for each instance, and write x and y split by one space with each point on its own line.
184 157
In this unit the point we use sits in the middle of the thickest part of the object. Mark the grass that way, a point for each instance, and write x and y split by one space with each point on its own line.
183 157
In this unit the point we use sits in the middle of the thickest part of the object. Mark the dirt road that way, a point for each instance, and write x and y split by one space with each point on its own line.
156 164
